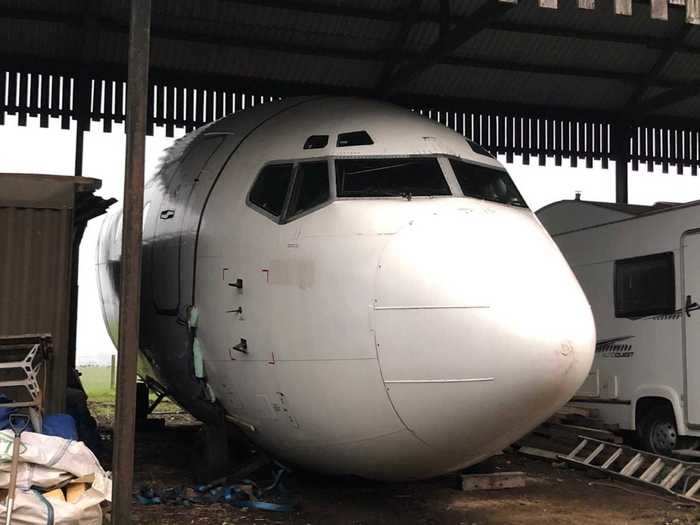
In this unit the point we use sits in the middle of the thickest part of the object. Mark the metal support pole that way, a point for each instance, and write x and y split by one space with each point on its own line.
130 271
621 146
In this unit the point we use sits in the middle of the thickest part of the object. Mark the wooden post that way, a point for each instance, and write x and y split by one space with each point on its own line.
130 270
112 372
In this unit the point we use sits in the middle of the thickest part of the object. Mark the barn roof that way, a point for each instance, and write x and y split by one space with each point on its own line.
519 78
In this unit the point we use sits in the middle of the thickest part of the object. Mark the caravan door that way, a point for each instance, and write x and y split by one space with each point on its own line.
690 312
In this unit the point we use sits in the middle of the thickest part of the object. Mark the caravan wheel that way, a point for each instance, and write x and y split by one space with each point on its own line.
658 431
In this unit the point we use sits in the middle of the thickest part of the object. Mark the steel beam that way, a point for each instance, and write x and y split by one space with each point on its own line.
130 271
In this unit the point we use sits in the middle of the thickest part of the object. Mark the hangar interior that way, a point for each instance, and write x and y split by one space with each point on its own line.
570 81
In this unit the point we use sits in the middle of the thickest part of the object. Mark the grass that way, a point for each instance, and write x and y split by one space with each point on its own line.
95 381
101 397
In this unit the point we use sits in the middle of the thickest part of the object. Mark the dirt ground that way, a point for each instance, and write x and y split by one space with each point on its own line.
554 494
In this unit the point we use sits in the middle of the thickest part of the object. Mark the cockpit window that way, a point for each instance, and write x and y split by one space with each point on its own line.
270 188
482 182
311 187
390 177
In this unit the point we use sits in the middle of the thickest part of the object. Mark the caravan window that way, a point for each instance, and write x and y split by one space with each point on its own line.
645 286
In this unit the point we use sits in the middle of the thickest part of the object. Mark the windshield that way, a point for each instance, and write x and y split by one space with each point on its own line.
483 182
390 177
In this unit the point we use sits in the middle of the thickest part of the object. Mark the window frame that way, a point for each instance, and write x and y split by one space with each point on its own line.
458 186
284 216
668 259
449 176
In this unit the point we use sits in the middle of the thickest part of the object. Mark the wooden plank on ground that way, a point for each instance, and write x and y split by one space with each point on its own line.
539 453
494 481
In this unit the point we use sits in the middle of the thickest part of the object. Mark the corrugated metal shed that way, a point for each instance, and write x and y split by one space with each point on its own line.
41 221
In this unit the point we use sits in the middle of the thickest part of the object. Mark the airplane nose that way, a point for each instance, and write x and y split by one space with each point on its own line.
482 331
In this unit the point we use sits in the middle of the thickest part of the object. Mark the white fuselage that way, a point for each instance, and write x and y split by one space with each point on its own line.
392 338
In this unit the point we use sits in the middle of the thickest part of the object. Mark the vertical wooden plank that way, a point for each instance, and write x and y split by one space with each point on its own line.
44 111
12 93
674 145
695 150
66 88
199 104
189 121
3 92
55 93
499 120
209 101
492 140
635 148
119 111
97 98
575 140
170 112
22 105
586 4
541 141
659 9
518 132
160 105
663 149
558 132
33 94
510 146
589 144
685 135
108 106
219 112
179 107
692 11
605 144
623 7
483 130
551 127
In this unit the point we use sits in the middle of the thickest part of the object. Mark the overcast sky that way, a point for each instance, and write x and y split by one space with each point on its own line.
34 150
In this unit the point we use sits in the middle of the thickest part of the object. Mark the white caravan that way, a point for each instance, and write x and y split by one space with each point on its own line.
358 288
639 269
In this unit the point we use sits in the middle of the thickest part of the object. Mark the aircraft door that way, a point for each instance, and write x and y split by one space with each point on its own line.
690 252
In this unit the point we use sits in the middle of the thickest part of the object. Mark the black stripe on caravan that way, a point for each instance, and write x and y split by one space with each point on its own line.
218 175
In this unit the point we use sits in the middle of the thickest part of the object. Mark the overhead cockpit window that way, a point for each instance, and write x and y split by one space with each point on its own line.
478 148
483 182
354 138
316 142
390 177
311 187
270 188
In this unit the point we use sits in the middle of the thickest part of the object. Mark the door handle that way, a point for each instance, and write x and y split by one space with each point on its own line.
690 305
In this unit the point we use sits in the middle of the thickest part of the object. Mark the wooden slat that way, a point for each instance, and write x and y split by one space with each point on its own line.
209 106
108 106
22 104
623 7
549 4
160 105
692 14
189 120
3 91
575 144
96 105
605 144
119 111
649 148
44 114
12 93
219 112
586 4
659 9
33 94
635 148
199 115
170 112
65 102
55 92
542 141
